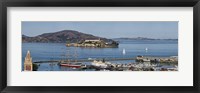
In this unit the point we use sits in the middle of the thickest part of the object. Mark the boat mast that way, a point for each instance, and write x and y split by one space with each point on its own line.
75 54
62 56
68 52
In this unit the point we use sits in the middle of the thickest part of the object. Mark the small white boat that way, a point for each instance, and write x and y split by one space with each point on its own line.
100 64
146 60
89 58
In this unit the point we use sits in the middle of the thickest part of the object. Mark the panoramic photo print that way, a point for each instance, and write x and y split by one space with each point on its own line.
99 45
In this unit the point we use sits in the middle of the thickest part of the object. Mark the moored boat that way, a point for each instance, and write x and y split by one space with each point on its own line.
73 65
101 64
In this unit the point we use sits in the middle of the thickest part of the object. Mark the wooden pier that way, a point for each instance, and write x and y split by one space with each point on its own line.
138 59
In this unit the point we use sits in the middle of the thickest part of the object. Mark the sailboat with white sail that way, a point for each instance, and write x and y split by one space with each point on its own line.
146 49
123 51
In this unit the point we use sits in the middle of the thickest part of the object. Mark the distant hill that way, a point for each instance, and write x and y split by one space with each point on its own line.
62 37
140 38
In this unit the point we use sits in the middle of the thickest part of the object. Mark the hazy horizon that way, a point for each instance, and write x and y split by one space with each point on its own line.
107 29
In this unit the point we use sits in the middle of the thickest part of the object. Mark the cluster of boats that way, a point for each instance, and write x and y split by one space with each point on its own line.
141 64
96 63
102 65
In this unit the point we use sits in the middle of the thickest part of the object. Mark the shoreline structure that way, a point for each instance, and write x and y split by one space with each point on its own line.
142 64
94 43
171 59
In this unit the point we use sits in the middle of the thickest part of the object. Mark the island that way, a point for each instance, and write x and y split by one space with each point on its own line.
72 38
94 43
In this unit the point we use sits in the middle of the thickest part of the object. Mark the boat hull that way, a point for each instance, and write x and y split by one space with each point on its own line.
70 65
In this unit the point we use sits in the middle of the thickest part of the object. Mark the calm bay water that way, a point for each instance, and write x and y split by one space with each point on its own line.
58 51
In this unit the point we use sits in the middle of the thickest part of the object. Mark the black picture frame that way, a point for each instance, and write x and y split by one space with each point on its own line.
99 3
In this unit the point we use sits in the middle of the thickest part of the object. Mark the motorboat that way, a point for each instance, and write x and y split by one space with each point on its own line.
101 64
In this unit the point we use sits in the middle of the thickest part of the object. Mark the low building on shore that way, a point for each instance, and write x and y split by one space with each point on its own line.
94 43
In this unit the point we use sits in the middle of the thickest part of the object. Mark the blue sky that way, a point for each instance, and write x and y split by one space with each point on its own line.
108 29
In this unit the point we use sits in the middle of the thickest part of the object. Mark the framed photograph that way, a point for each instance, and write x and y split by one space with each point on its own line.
102 46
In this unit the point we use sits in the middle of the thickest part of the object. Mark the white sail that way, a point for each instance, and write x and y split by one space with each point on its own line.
146 49
124 52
